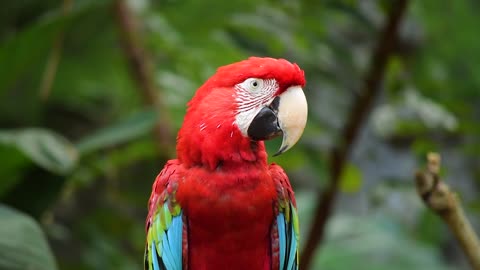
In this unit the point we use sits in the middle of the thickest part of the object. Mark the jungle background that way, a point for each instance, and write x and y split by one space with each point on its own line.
92 93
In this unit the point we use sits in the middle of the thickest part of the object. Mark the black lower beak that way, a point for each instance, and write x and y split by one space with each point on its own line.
265 124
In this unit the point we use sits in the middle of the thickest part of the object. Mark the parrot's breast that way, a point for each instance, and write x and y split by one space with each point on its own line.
230 215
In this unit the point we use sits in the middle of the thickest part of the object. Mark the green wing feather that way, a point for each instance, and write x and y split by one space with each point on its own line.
164 247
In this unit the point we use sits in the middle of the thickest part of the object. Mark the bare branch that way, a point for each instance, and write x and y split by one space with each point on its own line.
358 115
141 69
445 203
54 57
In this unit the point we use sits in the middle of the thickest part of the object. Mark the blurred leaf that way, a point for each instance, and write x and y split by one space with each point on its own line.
411 115
132 127
429 229
31 45
17 53
46 148
422 147
373 243
351 179
22 243
12 169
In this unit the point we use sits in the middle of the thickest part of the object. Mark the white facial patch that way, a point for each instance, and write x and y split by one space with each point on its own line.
252 95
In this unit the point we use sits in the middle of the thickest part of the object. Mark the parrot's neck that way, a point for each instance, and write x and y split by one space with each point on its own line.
218 147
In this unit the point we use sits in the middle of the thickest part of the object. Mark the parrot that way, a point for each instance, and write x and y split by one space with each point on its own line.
220 204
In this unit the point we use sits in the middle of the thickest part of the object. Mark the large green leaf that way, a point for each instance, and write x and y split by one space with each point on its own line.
132 127
22 243
46 148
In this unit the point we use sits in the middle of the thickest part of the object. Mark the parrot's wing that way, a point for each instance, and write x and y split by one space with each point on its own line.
165 245
285 230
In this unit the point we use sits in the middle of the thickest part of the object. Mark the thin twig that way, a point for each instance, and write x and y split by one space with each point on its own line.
54 57
142 70
445 203
358 115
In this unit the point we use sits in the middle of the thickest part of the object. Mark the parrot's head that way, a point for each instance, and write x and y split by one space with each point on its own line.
239 107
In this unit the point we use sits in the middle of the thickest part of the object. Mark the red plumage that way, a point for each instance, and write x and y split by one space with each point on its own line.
228 193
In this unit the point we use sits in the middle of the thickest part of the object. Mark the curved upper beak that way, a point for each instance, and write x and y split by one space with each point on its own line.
286 114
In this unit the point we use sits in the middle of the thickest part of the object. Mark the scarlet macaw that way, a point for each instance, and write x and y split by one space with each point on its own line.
219 205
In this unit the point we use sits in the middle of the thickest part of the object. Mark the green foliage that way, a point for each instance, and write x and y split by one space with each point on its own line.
130 128
351 179
374 244
17 53
47 149
12 167
83 157
23 244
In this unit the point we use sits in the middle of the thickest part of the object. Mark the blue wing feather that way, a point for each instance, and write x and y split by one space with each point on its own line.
281 238
287 238
154 257
293 250
165 250
175 237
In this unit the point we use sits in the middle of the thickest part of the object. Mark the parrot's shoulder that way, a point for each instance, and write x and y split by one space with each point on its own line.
168 175
165 186
282 184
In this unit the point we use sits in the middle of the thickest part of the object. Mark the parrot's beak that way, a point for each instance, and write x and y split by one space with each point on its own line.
286 114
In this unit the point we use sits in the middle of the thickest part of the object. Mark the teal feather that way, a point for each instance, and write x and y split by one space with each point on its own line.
175 238
165 239
287 237
154 257
167 253
281 238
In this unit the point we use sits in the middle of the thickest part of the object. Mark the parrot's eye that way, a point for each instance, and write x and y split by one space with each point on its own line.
253 84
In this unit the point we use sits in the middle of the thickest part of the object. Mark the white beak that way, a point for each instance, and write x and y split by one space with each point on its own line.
292 116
